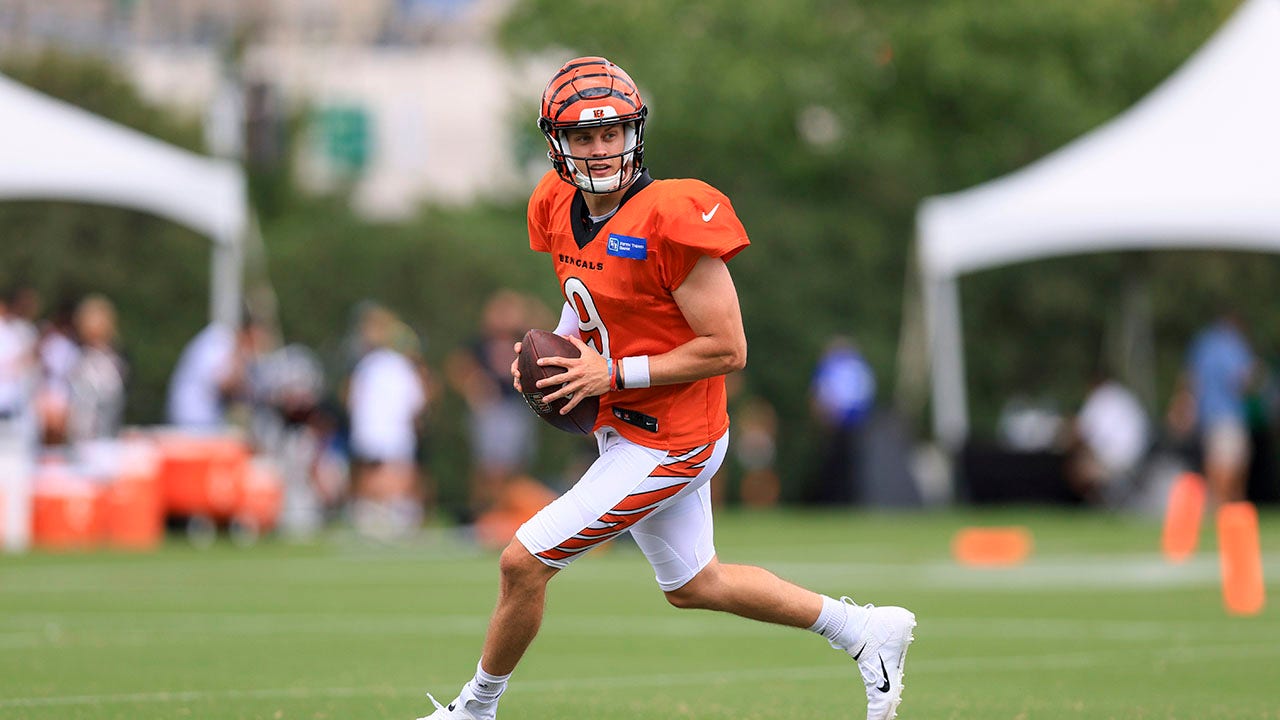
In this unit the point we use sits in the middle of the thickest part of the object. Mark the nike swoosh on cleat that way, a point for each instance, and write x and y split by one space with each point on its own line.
885 687
859 653
706 216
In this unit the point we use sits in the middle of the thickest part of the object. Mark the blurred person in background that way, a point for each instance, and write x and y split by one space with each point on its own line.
294 429
413 347
1110 437
1031 423
25 305
212 374
387 401
652 309
97 379
1220 370
19 368
58 352
19 431
842 394
500 427
755 446
753 449
1262 404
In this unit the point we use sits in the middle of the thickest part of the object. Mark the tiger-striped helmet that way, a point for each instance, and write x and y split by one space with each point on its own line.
590 92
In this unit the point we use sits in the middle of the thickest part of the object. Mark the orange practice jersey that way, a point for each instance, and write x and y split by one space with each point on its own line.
621 283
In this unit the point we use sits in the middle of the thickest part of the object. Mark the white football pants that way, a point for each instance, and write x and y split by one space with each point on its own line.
663 498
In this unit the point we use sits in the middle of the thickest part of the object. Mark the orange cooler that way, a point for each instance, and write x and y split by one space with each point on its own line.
202 475
65 510
132 517
133 511
263 496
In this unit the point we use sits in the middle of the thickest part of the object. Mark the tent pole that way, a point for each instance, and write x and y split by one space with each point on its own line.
912 389
226 280
946 350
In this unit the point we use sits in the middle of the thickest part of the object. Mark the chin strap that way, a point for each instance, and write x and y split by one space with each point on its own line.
598 186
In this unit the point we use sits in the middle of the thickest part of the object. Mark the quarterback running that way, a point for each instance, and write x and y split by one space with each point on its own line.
652 307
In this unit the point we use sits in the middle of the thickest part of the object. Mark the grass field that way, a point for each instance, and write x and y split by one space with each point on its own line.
1096 625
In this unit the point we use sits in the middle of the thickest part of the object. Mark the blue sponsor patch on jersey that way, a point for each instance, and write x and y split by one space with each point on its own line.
625 246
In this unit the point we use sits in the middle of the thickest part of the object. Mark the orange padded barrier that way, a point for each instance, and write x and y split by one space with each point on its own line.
1240 552
1182 517
991 545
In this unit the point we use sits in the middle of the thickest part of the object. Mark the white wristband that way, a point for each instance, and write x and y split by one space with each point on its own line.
568 322
635 371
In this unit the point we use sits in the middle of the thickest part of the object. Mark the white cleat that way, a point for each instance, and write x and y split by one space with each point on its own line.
455 710
881 655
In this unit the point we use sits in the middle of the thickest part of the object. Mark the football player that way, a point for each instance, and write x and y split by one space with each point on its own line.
651 306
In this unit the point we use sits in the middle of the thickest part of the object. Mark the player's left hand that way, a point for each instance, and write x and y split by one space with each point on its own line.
584 376
515 367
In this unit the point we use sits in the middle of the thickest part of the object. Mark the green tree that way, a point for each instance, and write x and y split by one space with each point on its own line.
828 122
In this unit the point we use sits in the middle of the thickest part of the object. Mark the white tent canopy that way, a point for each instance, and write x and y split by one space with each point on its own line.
1194 164
51 150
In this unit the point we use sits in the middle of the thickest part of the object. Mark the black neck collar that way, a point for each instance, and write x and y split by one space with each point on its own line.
584 230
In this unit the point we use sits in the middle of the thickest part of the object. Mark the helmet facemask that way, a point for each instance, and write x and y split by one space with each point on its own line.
573 168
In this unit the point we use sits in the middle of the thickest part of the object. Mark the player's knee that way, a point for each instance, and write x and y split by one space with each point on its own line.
519 567
694 595
684 599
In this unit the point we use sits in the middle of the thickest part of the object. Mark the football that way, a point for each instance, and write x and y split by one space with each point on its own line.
541 343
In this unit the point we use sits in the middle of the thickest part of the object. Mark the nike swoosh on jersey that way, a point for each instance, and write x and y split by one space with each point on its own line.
706 216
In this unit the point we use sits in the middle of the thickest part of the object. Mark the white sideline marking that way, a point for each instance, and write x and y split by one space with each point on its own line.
835 670
1052 573
14 641
60 631
166 696
1041 574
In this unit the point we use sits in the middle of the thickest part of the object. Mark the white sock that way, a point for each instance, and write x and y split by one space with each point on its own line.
487 688
839 623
